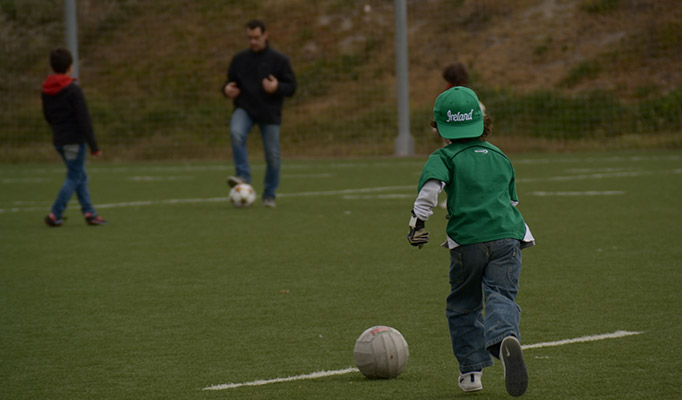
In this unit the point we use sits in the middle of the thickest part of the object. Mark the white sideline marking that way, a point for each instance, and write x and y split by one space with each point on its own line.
222 199
159 178
587 193
322 374
347 191
308 176
378 196
627 174
592 338
22 180
169 201
319 374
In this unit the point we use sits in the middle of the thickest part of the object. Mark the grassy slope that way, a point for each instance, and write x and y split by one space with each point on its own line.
142 62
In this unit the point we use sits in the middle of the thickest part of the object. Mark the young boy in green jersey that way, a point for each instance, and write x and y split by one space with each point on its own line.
485 235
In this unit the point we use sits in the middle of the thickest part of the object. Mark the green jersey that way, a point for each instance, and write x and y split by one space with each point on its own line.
481 192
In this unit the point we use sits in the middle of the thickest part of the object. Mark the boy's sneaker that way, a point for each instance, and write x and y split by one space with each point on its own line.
470 381
269 202
52 221
234 181
515 374
94 219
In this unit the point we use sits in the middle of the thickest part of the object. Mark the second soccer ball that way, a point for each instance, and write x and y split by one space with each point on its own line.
242 195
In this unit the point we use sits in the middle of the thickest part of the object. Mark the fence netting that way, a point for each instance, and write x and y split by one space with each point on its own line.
554 75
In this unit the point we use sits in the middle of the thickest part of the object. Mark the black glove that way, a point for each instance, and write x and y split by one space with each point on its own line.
417 236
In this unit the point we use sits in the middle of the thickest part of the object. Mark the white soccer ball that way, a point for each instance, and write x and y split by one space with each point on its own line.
381 352
242 195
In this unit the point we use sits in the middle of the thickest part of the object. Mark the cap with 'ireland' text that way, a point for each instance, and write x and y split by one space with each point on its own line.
458 114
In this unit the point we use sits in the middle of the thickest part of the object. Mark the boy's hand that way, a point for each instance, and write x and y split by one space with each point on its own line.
417 236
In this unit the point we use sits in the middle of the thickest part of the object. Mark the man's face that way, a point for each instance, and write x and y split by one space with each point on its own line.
257 39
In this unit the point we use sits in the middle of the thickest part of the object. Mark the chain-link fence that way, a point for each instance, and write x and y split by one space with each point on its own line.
554 75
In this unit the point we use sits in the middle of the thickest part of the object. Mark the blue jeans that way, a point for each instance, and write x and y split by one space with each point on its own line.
489 269
240 125
76 180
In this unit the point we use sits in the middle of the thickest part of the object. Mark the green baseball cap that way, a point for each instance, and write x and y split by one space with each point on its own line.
458 114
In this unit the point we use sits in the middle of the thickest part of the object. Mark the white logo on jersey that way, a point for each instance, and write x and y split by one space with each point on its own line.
482 151
460 117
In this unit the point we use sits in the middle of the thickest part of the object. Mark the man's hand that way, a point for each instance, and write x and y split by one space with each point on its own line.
232 90
270 84
417 236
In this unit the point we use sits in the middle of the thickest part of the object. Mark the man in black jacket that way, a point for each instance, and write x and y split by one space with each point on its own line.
258 79
66 111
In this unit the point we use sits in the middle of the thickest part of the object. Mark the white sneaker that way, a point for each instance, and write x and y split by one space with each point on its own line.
515 374
269 202
470 382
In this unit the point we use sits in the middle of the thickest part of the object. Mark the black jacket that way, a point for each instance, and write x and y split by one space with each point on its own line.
248 69
66 111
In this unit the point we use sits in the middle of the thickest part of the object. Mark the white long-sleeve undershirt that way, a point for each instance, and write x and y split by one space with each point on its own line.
427 199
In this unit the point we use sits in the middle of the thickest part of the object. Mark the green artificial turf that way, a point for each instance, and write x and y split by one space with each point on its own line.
181 291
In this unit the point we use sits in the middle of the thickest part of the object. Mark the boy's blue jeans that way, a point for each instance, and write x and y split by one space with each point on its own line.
76 180
481 271
240 125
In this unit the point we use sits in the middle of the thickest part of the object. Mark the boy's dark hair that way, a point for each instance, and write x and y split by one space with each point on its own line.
487 131
256 23
60 60
456 74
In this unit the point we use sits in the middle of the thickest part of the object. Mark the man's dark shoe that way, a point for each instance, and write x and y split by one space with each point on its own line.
234 181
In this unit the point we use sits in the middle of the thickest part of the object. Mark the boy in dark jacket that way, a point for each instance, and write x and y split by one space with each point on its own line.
66 111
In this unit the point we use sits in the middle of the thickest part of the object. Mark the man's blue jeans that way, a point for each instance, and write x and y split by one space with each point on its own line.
489 269
240 125
76 180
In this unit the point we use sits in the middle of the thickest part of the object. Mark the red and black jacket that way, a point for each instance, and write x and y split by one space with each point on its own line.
66 111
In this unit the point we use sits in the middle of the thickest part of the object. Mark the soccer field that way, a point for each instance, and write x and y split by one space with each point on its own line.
182 292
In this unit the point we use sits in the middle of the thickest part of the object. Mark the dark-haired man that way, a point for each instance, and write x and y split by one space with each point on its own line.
258 79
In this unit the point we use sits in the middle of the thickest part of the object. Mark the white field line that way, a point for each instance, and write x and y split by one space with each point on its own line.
347 192
93 167
586 193
223 199
24 180
309 176
314 375
159 178
591 338
600 159
322 374
128 204
379 196
587 176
